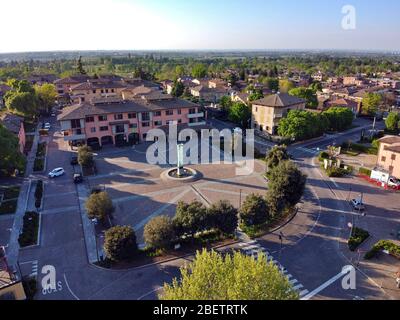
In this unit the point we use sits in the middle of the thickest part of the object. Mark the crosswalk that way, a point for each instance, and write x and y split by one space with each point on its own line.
34 269
253 248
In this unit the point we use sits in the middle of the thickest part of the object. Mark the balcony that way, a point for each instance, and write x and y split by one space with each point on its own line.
195 124
196 115
73 136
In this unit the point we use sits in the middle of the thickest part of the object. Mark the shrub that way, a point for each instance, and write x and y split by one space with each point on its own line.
159 232
41 150
254 210
357 237
365 171
223 216
336 172
393 249
38 165
39 190
323 155
30 287
190 218
120 243
30 228
99 206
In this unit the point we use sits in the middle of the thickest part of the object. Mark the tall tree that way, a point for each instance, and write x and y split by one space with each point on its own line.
371 103
199 70
254 210
178 89
285 85
307 94
240 114
275 156
99 206
212 276
10 156
46 95
392 122
79 66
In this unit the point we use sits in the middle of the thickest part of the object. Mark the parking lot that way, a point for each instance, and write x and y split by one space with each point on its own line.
139 193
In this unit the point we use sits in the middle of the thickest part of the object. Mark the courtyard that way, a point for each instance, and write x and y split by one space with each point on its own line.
139 193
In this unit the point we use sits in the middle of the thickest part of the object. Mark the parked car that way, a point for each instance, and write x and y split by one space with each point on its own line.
74 160
57 172
393 182
357 204
78 178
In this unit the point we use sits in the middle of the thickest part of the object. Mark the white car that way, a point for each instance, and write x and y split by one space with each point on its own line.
56 172
47 126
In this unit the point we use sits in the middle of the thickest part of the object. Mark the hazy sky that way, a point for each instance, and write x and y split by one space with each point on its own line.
42 25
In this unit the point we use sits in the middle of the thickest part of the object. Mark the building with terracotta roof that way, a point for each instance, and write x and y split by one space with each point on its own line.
389 155
354 106
126 121
267 112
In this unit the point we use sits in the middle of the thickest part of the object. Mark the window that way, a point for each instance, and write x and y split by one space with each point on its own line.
179 111
112 90
93 130
169 112
131 115
118 116
145 116
102 91
383 159
89 119
105 128
132 125
103 118
145 124
78 131
179 120
192 110
158 123
94 91
157 114
119 128
76 123
393 157
144 136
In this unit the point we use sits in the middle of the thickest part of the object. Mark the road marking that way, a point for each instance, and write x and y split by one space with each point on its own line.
69 289
323 286
149 293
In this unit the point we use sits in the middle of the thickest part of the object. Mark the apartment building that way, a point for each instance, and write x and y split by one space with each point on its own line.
389 155
126 121
267 112
95 89
11 287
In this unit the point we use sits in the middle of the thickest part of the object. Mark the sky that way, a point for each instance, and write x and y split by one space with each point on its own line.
47 25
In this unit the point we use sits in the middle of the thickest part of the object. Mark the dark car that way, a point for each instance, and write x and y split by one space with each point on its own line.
74 160
78 178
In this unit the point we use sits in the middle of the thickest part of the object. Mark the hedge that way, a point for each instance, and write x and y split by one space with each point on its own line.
30 229
38 165
391 247
365 171
358 236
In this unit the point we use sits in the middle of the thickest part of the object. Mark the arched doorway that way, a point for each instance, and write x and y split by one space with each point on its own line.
107 140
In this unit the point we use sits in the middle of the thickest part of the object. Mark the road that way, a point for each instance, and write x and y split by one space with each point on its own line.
311 249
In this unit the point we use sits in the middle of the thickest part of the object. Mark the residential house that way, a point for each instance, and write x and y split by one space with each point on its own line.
389 155
15 124
354 106
11 287
63 85
96 89
126 120
209 94
267 112
353 81
240 97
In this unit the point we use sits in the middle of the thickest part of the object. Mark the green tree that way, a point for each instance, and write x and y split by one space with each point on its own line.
99 206
392 122
120 243
179 71
85 156
212 276
285 85
256 95
178 89
190 217
275 156
199 70
223 216
159 232
272 83
240 114
23 103
10 156
339 118
254 210
79 66
285 187
226 103
316 86
46 95
307 94
371 103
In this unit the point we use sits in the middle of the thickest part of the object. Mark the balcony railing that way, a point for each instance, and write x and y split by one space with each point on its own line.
196 115
194 124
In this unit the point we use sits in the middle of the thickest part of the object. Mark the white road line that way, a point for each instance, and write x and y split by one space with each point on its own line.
246 243
298 287
69 289
303 293
293 281
149 293
323 286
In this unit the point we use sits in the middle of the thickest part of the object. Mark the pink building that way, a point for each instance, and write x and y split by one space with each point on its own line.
126 121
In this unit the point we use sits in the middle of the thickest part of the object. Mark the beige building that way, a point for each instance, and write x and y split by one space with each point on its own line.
389 155
267 112
11 287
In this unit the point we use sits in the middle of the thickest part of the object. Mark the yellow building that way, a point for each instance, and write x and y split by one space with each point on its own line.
389 155
267 112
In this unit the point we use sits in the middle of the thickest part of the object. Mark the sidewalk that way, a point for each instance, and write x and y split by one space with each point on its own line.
13 247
